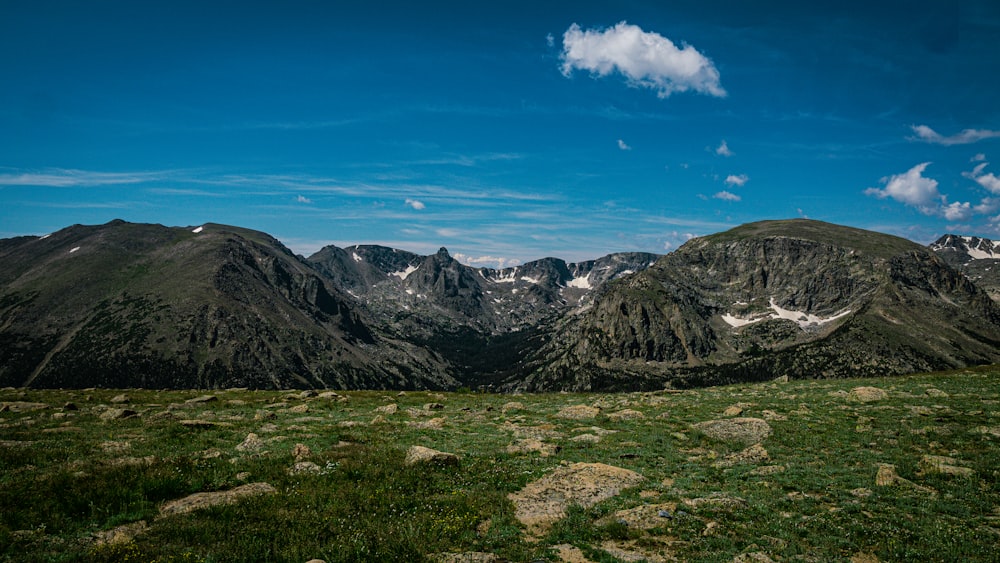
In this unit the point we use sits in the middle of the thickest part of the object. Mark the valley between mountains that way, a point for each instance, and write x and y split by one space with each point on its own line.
215 306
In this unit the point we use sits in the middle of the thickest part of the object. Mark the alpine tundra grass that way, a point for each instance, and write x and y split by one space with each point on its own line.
894 469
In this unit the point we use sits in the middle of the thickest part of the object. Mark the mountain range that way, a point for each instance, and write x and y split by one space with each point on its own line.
137 305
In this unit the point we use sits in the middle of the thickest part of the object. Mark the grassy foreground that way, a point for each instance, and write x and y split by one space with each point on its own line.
843 476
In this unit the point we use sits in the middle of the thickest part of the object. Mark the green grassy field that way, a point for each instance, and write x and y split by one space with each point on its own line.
843 476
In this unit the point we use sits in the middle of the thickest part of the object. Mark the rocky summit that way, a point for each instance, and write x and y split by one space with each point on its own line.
214 306
977 258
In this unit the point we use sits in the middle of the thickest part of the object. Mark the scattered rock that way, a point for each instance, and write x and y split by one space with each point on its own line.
327 395
861 492
379 419
264 415
941 465
111 447
528 445
932 392
743 430
316 561
767 470
22 406
118 414
755 454
544 501
433 407
15 443
631 552
720 501
388 409
121 534
419 454
198 423
251 443
299 409
308 393
120 399
627 414
570 554
432 424
755 557
990 430
643 517
301 451
867 394
70 407
304 467
862 557
512 406
579 412
588 438
887 476
202 399
467 557
199 501
771 415
242 475
733 411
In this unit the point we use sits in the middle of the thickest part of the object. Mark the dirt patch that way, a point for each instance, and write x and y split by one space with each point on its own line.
541 503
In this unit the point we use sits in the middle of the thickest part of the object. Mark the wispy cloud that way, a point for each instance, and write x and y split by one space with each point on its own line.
967 136
723 149
738 180
646 59
623 145
988 180
303 199
415 204
69 178
727 196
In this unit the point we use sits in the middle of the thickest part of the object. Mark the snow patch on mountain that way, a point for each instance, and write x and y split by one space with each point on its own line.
197 230
804 320
582 282
403 274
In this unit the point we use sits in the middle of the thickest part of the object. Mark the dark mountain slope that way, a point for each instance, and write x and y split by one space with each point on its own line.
798 298
977 258
144 305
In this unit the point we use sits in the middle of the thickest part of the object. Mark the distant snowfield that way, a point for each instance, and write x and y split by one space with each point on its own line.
804 320
580 283
198 229
74 249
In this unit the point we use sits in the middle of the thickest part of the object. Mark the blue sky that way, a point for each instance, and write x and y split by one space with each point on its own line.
505 132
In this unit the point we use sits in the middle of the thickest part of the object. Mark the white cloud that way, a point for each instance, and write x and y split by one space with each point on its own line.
739 181
723 149
303 199
418 205
987 205
497 262
967 136
956 211
911 188
550 40
978 158
728 196
646 59
989 181
623 145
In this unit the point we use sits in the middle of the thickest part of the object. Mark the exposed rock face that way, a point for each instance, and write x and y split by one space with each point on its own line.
977 258
150 306
199 501
792 298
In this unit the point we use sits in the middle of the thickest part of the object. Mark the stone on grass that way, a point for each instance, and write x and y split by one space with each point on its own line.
627 414
570 554
120 534
941 465
118 399
202 399
251 443
118 414
588 438
755 454
387 409
579 412
755 557
528 445
420 454
867 394
467 557
304 467
742 430
299 409
734 410
512 406
199 501
544 501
